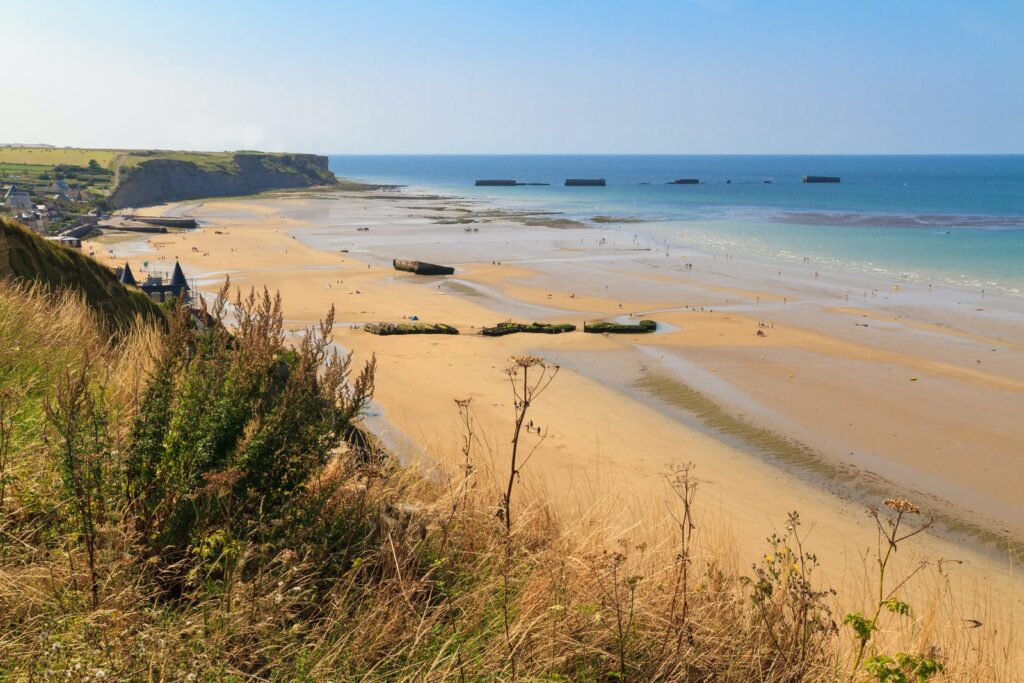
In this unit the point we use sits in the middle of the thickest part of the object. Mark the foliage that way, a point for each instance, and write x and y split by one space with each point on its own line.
232 426
902 668
82 453
795 615
235 537
890 536
861 625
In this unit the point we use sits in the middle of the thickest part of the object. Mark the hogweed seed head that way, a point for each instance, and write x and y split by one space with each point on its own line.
525 361
901 505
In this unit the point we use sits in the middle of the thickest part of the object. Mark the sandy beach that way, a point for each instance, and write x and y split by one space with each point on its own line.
856 390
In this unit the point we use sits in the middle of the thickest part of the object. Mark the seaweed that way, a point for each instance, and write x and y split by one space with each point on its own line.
501 329
388 329
642 327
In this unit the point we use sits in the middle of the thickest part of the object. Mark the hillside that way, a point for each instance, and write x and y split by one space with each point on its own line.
175 176
116 178
26 256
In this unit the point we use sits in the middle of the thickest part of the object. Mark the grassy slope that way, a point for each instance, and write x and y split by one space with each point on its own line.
26 256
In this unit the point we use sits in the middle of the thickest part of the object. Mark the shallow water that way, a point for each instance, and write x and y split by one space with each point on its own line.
945 219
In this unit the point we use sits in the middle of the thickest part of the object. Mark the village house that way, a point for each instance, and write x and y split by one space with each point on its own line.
64 191
16 198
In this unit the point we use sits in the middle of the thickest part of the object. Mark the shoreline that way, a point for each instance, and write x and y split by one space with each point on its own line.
293 243
683 232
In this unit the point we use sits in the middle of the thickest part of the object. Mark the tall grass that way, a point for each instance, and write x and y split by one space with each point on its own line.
183 505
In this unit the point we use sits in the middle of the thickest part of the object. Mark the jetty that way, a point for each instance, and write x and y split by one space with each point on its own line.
585 182
147 224
821 179
164 221
685 181
421 267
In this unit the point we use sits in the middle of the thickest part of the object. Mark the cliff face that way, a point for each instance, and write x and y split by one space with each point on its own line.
162 180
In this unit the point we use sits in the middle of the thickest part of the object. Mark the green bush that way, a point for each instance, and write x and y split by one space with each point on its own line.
231 426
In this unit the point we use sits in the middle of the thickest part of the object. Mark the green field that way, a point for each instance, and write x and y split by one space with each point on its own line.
20 171
36 168
48 156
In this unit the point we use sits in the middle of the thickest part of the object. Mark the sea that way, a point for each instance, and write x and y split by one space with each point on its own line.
948 220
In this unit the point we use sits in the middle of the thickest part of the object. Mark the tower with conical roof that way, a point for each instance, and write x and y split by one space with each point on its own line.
127 277
159 289
178 280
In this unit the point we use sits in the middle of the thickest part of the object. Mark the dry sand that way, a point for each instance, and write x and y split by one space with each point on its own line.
859 390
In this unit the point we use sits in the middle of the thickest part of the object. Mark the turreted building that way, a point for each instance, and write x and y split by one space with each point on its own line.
156 287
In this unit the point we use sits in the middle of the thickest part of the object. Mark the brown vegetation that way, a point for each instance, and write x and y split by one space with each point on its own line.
178 505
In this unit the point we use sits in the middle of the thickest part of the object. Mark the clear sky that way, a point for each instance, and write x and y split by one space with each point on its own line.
480 76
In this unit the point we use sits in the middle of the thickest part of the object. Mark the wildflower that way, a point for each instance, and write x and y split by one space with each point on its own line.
901 505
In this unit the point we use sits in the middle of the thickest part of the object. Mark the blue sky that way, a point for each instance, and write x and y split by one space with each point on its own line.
700 76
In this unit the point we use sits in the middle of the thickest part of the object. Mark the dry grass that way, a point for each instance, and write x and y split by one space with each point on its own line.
374 573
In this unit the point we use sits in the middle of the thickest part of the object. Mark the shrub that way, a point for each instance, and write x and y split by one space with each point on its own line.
232 426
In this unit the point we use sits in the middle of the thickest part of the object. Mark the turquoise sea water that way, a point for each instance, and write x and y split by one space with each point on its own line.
949 219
